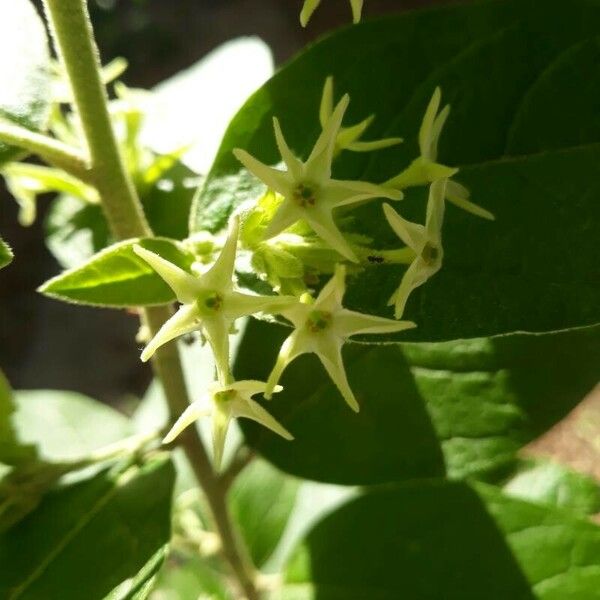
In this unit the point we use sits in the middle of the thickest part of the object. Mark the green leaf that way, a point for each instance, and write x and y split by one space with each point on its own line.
459 408
261 501
547 482
6 254
184 114
433 540
116 277
86 538
140 586
66 426
12 449
507 69
24 72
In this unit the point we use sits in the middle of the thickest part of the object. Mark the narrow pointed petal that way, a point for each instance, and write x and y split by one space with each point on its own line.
344 192
412 234
455 193
192 413
289 351
420 172
327 230
369 146
250 409
330 355
272 178
216 330
414 277
286 215
435 210
185 285
241 305
425 131
220 424
250 387
348 323
293 164
220 275
436 132
347 135
318 165
357 6
308 9
333 291
326 107
185 320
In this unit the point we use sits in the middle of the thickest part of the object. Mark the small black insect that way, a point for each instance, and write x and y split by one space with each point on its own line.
375 259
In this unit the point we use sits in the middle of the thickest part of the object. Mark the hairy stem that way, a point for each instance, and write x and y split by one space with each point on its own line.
74 40
54 152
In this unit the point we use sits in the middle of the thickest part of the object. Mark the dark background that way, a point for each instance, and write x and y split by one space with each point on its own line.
47 344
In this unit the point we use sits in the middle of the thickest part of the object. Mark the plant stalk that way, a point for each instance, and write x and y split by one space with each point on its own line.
74 41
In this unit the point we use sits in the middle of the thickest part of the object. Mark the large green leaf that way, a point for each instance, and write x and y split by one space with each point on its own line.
66 426
446 540
261 501
6 254
24 70
507 68
12 449
86 538
117 277
457 408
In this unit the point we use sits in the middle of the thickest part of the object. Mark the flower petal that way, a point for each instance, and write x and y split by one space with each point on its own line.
294 165
250 387
436 132
275 179
192 413
216 329
435 210
357 6
369 146
331 296
308 9
220 276
344 192
185 320
348 323
221 417
286 215
412 234
416 275
347 135
240 305
459 196
330 353
326 107
425 132
318 165
290 349
324 226
250 409
185 285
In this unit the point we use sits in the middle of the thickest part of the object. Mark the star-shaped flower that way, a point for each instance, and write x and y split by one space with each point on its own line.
322 327
426 242
348 138
209 302
309 193
425 169
223 403
310 6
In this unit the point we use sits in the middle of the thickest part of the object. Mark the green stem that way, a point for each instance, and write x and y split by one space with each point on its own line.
54 152
74 40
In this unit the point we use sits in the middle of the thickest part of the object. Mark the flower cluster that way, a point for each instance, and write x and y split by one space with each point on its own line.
295 225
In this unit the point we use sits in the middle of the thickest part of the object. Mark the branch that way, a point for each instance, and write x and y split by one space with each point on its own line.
52 151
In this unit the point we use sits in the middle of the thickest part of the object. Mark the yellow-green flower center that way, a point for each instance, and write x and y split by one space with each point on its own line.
225 396
318 320
305 195
430 253
210 302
